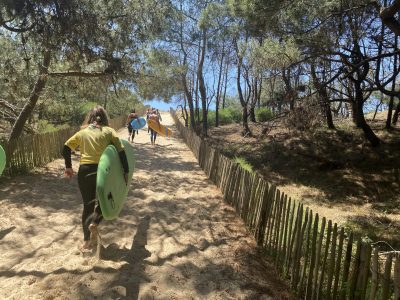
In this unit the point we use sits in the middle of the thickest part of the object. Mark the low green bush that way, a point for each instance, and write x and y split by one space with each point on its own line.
243 163
225 117
263 114
236 113
43 126
211 118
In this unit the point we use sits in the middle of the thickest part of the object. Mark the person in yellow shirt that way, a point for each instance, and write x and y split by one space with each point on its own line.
92 140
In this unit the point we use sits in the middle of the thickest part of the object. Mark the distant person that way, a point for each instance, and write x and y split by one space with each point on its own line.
153 134
132 115
92 139
158 114
148 113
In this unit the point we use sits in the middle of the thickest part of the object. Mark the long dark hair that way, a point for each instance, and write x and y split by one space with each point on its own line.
97 116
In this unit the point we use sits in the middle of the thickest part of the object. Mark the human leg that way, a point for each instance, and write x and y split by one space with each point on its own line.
130 129
133 134
152 136
155 136
91 213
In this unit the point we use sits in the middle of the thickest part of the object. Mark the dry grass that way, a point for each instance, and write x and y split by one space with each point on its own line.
335 172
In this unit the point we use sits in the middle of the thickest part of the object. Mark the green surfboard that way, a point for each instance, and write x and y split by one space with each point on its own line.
111 189
2 159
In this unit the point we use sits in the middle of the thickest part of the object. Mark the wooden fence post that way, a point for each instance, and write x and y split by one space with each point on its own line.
346 268
375 274
318 258
386 277
396 280
338 264
308 292
331 266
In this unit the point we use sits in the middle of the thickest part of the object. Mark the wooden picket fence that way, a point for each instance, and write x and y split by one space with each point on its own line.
318 258
32 151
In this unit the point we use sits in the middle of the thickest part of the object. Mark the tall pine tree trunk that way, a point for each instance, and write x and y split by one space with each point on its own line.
252 114
219 85
33 98
202 87
323 98
396 114
361 122
225 85
245 115
391 101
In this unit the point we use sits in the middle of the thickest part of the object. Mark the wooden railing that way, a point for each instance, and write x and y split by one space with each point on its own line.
32 151
320 259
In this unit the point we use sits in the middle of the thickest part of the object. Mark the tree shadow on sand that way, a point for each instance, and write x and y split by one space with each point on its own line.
132 273
4 232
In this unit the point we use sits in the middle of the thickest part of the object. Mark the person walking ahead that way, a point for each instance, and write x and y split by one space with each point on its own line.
131 131
92 140
153 134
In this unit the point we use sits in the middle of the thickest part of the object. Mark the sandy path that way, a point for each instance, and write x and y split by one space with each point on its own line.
175 238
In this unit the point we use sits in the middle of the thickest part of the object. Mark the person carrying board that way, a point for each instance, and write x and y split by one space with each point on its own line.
155 115
148 113
131 131
92 139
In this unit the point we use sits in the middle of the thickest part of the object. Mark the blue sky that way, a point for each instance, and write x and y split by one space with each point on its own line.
161 105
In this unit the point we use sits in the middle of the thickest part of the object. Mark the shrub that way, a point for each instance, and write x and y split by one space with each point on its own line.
263 114
43 126
211 118
236 113
244 163
225 117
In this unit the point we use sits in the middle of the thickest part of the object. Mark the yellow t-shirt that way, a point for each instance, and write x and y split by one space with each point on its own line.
92 141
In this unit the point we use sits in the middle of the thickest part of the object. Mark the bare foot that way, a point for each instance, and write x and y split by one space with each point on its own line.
85 247
94 233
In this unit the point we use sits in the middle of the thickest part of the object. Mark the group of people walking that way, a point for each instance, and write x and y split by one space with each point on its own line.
151 114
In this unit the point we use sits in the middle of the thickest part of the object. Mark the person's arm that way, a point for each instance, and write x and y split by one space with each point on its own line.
125 166
66 153
72 143
121 153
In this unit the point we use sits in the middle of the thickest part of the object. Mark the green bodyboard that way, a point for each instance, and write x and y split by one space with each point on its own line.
111 189
2 160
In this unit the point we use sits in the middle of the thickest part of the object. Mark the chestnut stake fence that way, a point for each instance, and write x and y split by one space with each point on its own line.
318 258
31 151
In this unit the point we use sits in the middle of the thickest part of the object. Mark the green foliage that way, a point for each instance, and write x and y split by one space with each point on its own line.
211 118
230 115
272 54
43 126
225 117
159 78
99 42
243 163
263 114
236 113
232 102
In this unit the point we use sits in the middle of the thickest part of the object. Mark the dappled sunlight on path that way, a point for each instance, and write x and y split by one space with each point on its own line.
175 238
